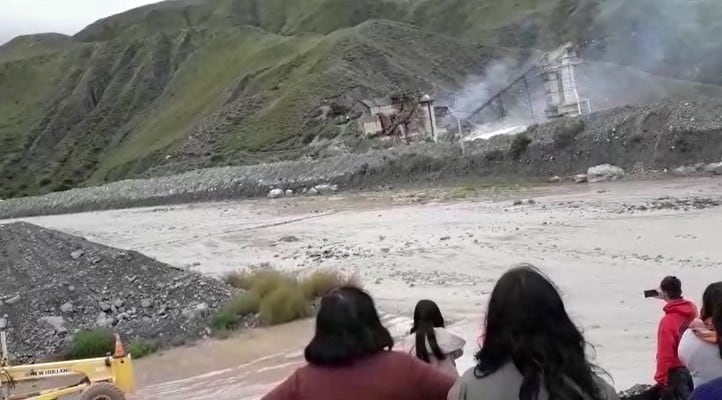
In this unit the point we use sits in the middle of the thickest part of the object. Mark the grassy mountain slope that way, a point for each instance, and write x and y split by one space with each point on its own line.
196 83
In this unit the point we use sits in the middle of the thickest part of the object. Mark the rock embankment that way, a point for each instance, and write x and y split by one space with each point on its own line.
54 284
639 139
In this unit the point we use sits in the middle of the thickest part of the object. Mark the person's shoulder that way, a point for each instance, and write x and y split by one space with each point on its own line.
393 357
605 388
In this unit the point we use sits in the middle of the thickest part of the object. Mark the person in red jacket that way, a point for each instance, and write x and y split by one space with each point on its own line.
672 378
350 358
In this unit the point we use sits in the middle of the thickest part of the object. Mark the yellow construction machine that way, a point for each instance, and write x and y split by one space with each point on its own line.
104 378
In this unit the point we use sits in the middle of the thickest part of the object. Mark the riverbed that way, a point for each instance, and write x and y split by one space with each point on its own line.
603 244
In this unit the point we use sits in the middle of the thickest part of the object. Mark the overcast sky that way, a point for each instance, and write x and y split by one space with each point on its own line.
20 17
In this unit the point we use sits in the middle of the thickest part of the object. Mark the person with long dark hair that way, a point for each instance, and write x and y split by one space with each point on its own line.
712 390
350 358
700 349
430 342
531 349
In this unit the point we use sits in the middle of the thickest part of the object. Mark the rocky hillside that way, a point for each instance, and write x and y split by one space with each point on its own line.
186 84
56 284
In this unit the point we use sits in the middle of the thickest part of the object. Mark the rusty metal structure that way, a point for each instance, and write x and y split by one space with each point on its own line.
402 116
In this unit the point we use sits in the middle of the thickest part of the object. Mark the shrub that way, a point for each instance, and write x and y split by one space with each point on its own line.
519 145
224 319
142 348
278 297
91 344
263 282
318 283
284 304
238 279
244 304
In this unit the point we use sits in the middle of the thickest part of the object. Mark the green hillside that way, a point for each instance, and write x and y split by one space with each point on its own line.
196 83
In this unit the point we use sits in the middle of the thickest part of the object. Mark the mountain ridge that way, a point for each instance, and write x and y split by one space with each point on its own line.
190 84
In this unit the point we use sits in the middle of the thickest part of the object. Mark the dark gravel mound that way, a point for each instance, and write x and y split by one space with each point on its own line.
54 284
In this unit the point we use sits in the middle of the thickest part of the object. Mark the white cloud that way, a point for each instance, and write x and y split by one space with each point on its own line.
21 17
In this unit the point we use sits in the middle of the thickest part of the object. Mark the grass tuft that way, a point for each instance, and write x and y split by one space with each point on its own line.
284 304
277 297
90 344
142 348
318 283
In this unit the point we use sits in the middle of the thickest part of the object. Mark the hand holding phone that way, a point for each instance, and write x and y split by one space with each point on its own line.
651 293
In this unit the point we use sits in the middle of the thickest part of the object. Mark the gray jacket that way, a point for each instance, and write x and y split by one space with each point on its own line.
504 385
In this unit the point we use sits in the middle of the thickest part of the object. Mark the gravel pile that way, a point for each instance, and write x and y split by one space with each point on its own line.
54 284
636 139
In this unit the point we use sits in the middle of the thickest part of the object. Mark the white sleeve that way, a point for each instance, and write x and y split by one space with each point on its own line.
449 343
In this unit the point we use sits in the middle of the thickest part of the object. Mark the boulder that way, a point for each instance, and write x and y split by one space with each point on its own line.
685 170
289 192
67 308
604 173
714 168
326 188
275 193
555 179
580 178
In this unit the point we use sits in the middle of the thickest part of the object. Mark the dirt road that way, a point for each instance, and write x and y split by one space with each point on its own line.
603 244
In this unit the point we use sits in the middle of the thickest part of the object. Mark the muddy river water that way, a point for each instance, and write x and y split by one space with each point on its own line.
603 244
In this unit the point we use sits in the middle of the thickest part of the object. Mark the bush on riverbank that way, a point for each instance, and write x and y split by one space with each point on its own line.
90 344
274 297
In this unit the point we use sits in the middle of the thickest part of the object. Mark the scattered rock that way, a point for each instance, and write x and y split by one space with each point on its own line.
531 201
145 303
636 392
103 320
289 192
275 193
77 254
57 323
518 202
313 192
13 300
288 239
444 238
555 179
580 178
67 308
604 173
104 306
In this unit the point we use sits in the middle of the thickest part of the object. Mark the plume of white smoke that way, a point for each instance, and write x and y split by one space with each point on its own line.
648 50
509 111
634 52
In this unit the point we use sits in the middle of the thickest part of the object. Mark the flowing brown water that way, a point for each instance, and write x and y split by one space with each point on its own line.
405 248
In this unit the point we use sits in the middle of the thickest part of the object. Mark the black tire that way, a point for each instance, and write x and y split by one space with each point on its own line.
102 391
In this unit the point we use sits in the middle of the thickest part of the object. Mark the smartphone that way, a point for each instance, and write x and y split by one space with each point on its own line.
651 293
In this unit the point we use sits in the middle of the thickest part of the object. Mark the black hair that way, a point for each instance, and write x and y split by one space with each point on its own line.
672 287
348 328
712 308
427 316
527 324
